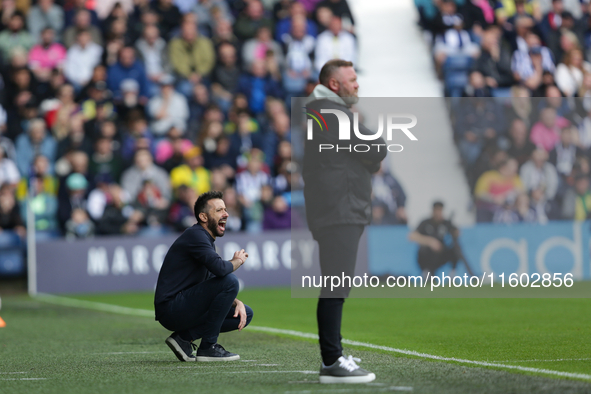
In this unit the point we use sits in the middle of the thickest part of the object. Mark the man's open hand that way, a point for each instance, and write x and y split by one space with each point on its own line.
239 258
240 310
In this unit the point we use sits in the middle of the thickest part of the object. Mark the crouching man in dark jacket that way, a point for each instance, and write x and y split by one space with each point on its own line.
338 205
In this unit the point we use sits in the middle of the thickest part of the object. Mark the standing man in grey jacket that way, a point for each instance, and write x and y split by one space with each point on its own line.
338 207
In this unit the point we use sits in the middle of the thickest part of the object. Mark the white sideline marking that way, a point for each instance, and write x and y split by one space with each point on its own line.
147 313
128 352
373 390
549 361
6 373
236 372
26 379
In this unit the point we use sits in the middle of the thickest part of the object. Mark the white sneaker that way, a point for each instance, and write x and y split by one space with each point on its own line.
345 370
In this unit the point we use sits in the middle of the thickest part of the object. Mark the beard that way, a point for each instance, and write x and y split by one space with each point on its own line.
349 97
213 226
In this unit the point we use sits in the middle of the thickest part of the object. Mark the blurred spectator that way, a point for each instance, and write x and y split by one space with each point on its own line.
173 144
248 187
77 6
476 86
250 20
539 176
82 22
152 50
181 215
528 64
519 212
44 206
74 199
46 56
103 161
225 76
334 43
10 217
341 9
119 217
43 15
144 169
576 203
235 221
520 147
546 132
153 206
138 135
81 60
260 47
14 37
454 41
285 24
168 109
565 152
494 62
388 199
258 84
79 225
208 11
9 174
277 216
192 173
168 14
299 49
76 138
569 73
104 7
192 57
35 142
478 121
41 172
128 67
496 188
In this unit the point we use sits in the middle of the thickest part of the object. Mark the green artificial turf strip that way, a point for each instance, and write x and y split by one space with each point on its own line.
509 331
82 351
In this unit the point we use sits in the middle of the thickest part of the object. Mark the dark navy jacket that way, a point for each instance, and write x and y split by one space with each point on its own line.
191 259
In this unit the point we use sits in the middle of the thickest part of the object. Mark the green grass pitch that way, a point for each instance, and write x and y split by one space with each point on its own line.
48 348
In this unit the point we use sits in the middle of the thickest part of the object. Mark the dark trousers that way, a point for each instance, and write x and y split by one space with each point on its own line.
338 255
204 310
430 260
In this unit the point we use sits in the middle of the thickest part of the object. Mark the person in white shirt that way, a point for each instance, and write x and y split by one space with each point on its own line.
168 109
152 49
9 173
81 59
569 73
335 43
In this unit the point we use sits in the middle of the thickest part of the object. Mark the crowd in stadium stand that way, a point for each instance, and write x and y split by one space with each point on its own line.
116 114
526 150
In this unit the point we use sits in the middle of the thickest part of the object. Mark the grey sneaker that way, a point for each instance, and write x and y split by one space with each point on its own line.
345 370
216 353
182 349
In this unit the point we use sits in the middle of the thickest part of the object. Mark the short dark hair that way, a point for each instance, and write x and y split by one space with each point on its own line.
437 204
330 67
201 203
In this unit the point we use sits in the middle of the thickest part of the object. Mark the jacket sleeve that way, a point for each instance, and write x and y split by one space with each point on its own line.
376 153
205 254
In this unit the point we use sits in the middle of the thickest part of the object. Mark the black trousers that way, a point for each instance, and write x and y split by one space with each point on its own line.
338 254
204 310
430 261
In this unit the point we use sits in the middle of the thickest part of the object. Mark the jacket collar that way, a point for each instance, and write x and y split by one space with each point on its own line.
322 92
